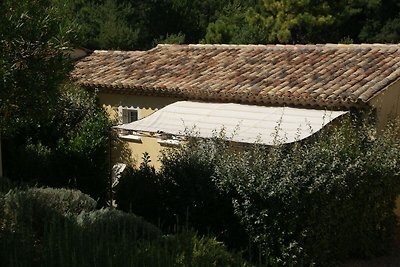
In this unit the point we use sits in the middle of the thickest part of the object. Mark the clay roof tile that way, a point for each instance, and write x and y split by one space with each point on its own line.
306 75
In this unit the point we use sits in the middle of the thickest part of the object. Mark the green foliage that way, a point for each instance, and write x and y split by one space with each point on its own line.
138 191
110 24
33 61
308 21
183 193
54 133
105 25
81 152
195 15
235 25
114 223
36 206
178 38
187 182
73 234
296 21
5 185
381 22
132 25
25 216
69 148
315 202
191 250
121 242
190 194
320 201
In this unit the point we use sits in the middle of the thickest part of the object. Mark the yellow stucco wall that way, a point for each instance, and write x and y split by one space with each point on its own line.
146 144
397 209
145 104
387 104
131 151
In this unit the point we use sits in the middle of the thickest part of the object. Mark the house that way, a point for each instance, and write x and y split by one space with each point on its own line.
155 95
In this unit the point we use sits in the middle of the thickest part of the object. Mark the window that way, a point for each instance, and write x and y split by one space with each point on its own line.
128 114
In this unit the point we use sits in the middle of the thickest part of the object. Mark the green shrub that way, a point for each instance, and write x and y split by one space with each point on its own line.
81 153
191 250
26 216
77 245
5 184
210 252
59 227
313 202
103 237
183 193
138 191
110 223
318 201
67 149
190 195
34 207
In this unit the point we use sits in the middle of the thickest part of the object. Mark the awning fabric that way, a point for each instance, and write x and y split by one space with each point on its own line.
240 123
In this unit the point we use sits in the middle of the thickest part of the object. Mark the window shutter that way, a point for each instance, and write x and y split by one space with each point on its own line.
125 116
120 116
133 115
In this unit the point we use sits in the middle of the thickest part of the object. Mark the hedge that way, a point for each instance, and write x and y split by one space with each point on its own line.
314 202
319 201
57 227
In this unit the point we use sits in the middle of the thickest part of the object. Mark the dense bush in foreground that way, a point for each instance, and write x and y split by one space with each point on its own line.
139 190
183 193
58 227
314 202
69 149
320 201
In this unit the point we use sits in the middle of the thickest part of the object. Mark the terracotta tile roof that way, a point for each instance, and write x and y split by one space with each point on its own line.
330 75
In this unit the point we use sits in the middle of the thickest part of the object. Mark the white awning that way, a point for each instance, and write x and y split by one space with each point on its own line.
240 123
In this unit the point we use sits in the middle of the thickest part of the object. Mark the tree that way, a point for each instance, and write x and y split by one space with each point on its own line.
141 24
236 25
319 201
306 21
382 22
106 24
69 149
34 40
55 133
195 16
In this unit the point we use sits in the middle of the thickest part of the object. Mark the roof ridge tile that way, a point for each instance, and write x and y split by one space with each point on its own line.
281 46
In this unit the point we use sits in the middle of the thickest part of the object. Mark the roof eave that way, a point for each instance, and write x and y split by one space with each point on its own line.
265 100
